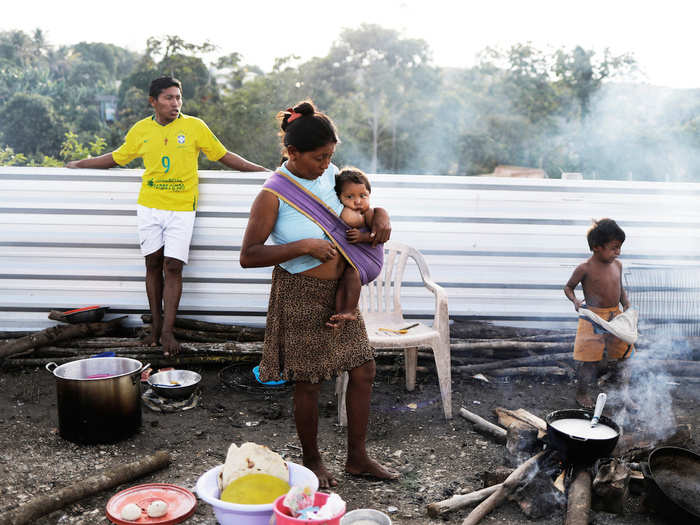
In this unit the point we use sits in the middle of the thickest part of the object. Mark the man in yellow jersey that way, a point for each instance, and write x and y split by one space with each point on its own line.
169 143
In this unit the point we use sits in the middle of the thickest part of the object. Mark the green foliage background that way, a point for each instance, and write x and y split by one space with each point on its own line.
561 111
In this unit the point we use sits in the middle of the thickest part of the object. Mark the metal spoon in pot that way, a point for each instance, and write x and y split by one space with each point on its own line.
599 404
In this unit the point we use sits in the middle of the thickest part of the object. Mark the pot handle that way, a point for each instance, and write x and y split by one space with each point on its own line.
577 438
646 471
55 366
144 367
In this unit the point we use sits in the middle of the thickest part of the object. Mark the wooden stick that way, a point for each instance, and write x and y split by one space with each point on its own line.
483 426
156 360
529 371
239 333
507 487
579 500
523 361
530 346
58 333
47 503
506 417
458 501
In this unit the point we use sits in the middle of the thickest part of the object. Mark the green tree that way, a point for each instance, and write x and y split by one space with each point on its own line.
29 125
390 76
582 75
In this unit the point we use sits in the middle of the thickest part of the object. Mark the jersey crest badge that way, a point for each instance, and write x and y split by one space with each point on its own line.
181 139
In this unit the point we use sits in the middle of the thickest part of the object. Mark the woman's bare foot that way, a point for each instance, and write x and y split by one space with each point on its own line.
325 478
170 344
337 320
371 469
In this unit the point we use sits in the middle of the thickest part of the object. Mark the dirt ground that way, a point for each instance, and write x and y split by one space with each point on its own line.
438 458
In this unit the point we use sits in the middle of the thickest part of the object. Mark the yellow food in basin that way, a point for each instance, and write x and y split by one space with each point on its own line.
254 489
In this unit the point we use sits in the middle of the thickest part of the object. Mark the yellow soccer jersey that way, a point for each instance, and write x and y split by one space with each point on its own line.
170 153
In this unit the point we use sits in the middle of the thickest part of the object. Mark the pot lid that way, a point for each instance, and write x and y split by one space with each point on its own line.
181 503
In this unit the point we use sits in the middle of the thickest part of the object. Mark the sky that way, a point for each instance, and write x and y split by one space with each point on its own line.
662 36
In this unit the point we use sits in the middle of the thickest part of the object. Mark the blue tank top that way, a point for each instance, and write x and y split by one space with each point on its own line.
293 226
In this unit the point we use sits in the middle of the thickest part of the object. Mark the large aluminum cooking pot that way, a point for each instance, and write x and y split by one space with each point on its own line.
98 399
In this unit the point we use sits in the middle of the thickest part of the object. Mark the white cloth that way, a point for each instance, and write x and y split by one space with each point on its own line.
172 229
624 326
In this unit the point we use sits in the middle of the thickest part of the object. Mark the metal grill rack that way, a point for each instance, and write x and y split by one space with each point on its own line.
668 299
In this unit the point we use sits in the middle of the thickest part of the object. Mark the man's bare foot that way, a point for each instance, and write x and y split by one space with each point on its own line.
585 400
151 340
325 478
170 344
337 320
371 469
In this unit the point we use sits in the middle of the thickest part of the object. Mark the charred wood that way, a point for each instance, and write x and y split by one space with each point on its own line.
579 498
506 488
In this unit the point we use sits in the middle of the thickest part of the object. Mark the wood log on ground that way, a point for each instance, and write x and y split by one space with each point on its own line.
104 342
579 500
547 371
495 475
506 488
538 497
53 334
507 417
12 334
155 360
611 485
45 504
508 363
521 443
498 344
198 336
190 349
459 501
234 332
483 426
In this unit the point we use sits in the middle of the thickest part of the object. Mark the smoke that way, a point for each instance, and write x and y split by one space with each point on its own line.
638 132
649 390
628 131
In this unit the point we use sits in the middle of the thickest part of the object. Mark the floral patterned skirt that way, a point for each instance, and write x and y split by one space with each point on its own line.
298 344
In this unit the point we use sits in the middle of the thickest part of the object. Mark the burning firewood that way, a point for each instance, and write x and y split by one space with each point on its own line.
611 485
579 500
506 488
521 443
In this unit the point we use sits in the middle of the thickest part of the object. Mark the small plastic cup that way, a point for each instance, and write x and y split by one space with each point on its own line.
283 514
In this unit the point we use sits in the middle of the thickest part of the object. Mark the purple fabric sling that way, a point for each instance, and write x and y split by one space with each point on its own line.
367 260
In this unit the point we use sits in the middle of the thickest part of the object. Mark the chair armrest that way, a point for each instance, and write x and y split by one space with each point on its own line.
441 319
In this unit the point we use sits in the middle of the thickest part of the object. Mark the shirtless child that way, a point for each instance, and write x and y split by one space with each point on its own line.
353 189
601 279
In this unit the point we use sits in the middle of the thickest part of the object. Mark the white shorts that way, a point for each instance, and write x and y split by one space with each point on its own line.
172 229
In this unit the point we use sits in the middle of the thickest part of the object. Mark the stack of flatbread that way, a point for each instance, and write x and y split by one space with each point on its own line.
251 458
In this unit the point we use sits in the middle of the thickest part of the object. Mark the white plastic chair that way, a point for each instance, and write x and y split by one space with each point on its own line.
380 304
